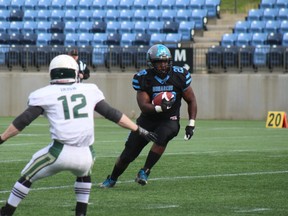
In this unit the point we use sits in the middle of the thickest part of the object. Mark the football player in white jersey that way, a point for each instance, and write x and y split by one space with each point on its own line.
67 104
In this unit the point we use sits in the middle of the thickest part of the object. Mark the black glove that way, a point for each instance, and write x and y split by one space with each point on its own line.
1 141
150 136
189 131
166 105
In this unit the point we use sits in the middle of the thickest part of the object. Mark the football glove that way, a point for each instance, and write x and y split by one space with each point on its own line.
149 136
1 141
165 105
189 130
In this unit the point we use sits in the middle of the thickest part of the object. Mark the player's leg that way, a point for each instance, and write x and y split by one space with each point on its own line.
166 131
82 189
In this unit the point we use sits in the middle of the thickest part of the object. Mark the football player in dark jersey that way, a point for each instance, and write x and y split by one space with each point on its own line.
162 119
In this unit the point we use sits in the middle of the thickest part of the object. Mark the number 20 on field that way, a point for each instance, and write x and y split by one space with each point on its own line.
276 120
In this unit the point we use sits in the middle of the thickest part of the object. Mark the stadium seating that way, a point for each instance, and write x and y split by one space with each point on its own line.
71 27
155 27
181 4
57 39
257 26
242 26
142 39
127 58
3 50
12 57
57 27
272 26
16 39
4 38
71 4
126 15
229 39
15 27
140 15
141 60
200 18
244 39
139 4
30 15
57 4
84 15
4 14
98 5
127 39
141 27
112 15
283 27
85 27
172 39
125 4
43 4
186 28
270 14
126 27
157 38
98 15
113 39
113 27
43 39
43 15
213 8
168 15
84 4
259 39
230 57
16 15
281 4
167 4
282 14
170 27
260 57
112 57
5 25
98 27
85 39
71 39
183 15
267 4
112 4
153 4
214 57
98 55
196 4
99 39
5 4
153 15
276 57
246 57
29 39
16 4
255 14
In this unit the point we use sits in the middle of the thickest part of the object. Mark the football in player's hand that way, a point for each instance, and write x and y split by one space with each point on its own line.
166 96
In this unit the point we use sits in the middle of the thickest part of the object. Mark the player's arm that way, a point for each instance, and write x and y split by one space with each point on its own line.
189 97
144 102
20 122
114 115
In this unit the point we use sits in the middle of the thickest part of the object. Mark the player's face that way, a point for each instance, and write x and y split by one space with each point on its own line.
162 66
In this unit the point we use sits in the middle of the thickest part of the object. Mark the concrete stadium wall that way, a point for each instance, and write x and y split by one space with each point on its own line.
219 96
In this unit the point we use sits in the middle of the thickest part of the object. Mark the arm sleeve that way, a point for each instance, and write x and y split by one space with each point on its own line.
104 109
29 115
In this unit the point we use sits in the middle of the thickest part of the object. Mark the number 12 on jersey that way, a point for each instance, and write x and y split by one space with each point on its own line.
276 119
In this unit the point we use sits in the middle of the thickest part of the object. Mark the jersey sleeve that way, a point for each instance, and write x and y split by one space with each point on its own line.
184 77
138 80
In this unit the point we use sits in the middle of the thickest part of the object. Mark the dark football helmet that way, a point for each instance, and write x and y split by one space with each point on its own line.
159 53
63 69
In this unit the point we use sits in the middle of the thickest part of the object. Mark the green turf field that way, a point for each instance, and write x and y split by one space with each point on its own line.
229 168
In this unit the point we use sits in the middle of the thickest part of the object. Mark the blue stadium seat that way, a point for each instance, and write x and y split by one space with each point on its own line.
99 39
85 27
141 27
285 39
84 4
272 26
186 28
30 5
29 27
183 15
43 15
98 15
43 58
57 39
113 27
57 27
98 5
153 15
43 39
242 26
127 39
126 27
5 25
127 58
4 38
44 4
98 55
274 39
16 4
257 26
112 57
167 4
230 57
85 15
27 56
281 4
282 14
16 15
270 14
139 4
142 39
112 15
112 4
3 50
214 57
168 15
15 27
229 39
57 4
157 38
196 4
5 4
172 39
30 15
13 56
260 57
213 8
71 27
57 15
181 4
71 4
255 14
155 27
71 39
243 39
4 15
70 15
126 15
170 27
153 4
113 39
246 56
283 27
98 27
140 15
140 61
259 39
43 27
85 39
200 18
125 4
276 57
267 4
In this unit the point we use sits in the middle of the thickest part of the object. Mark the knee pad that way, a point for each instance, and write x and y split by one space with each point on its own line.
86 179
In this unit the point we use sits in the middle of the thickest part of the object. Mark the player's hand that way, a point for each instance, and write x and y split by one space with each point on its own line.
189 130
166 105
150 136
1 141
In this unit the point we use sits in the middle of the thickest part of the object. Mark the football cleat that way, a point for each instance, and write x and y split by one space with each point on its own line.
108 183
142 177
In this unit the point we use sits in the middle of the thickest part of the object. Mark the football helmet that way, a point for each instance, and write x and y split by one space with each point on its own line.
159 53
63 69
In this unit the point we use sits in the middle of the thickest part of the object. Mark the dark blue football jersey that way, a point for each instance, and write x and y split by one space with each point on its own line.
176 82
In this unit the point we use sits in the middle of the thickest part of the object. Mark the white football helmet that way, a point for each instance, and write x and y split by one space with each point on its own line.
63 69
